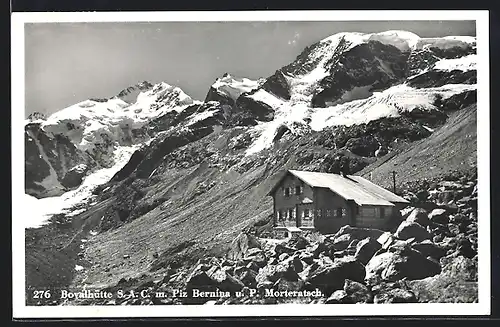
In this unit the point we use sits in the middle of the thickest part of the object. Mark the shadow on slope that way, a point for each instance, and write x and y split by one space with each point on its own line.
450 147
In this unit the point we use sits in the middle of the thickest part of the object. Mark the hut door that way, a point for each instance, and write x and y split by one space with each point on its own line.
298 213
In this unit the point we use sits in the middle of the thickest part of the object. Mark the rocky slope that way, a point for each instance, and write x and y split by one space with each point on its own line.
201 172
430 257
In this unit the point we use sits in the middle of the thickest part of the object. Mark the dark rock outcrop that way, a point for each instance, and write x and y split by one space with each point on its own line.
74 176
277 85
436 78
372 64
252 109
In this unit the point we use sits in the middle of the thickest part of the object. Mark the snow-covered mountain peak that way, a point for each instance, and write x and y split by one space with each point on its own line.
129 94
403 40
446 42
345 79
36 117
233 87
94 121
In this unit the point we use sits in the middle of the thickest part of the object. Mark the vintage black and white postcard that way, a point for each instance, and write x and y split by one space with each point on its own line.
191 164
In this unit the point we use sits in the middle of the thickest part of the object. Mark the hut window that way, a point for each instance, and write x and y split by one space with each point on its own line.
368 212
338 212
328 212
306 214
291 214
281 215
287 191
318 213
344 212
298 189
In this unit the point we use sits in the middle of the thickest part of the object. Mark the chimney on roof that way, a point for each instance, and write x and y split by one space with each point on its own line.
344 169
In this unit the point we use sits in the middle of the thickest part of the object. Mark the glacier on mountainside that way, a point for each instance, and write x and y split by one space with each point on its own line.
403 40
464 63
358 105
38 211
87 122
233 87
388 103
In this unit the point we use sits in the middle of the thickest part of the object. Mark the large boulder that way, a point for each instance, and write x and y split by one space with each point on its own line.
223 280
339 297
281 248
208 278
332 277
408 229
283 284
385 240
287 270
358 292
74 177
419 216
241 244
457 283
465 246
365 249
358 233
341 242
298 242
439 216
395 295
398 263
256 256
364 146
429 249
247 277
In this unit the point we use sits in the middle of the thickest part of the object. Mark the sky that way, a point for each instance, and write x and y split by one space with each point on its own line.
66 63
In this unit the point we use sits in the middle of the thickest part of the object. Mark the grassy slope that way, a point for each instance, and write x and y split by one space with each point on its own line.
450 147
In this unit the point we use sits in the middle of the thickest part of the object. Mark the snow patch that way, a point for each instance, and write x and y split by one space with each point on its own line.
464 63
446 42
428 128
267 98
233 87
38 211
402 40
